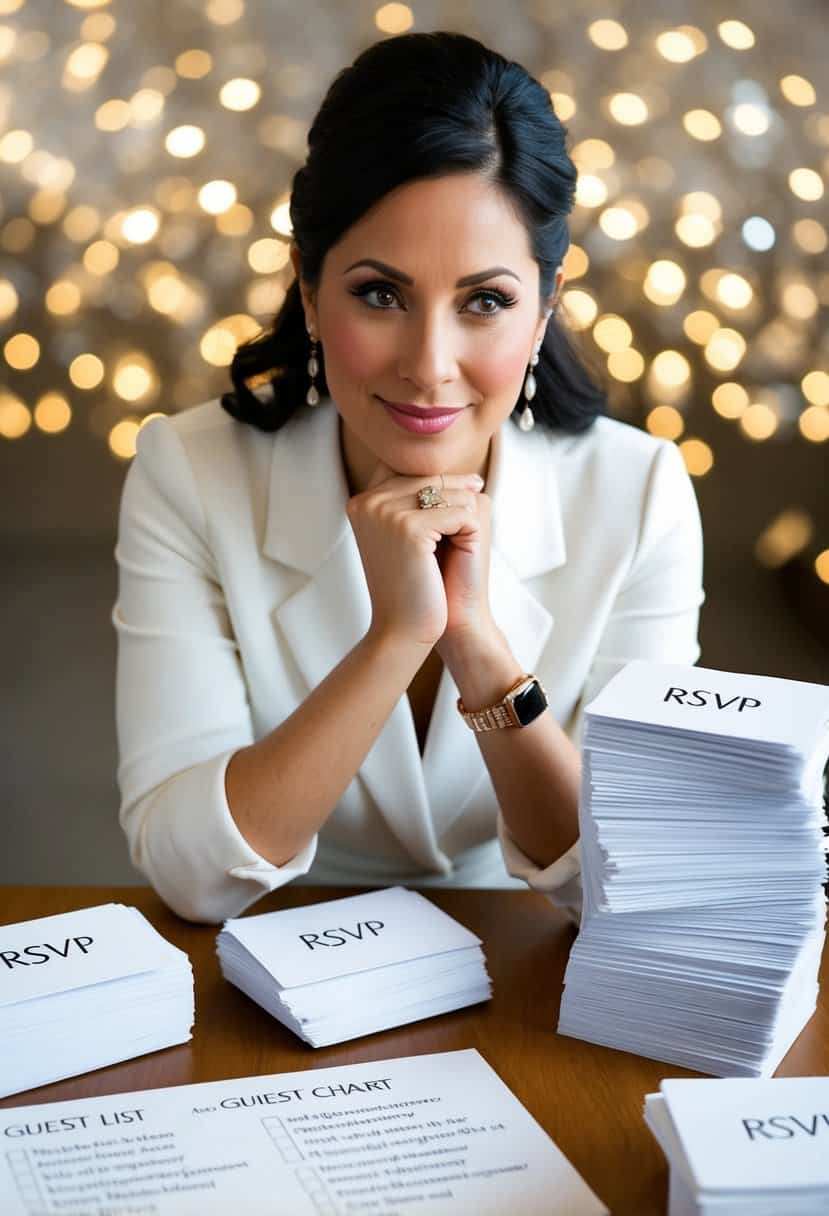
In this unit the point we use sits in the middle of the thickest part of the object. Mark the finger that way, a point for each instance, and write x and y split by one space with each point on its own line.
444 521
397 486
467 499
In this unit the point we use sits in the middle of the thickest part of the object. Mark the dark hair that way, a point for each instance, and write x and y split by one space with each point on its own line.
419 106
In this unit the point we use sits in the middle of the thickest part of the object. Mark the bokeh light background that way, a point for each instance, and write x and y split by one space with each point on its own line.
146 154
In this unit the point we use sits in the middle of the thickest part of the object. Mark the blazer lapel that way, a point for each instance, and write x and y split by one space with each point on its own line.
307 529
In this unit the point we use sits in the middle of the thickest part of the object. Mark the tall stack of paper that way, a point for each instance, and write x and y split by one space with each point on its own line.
744 1148
85 989
348 967
703 855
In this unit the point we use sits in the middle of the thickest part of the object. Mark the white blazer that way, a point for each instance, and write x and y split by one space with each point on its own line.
241 587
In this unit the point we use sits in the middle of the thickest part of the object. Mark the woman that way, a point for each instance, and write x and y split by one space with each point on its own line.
344 593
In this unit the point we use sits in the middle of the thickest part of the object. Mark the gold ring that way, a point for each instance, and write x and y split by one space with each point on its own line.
429 497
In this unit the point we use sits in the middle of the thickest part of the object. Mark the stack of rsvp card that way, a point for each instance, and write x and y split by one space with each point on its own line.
744 1147
703 859
348 967
85 989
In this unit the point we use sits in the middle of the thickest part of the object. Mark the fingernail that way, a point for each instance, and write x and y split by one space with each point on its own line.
477 480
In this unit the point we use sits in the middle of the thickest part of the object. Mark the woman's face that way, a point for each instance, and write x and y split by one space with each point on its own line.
410 333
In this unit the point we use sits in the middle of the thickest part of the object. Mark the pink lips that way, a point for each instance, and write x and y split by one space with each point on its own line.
420 421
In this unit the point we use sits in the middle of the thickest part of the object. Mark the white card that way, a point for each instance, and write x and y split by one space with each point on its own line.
74 949
741 1133
429 1135
345 936
718 702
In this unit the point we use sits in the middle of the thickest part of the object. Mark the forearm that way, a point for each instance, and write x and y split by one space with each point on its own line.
535 770
282 788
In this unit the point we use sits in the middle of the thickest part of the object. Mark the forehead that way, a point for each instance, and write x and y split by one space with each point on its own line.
458 221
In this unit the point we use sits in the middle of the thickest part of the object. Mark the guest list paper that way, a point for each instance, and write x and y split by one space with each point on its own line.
432 1134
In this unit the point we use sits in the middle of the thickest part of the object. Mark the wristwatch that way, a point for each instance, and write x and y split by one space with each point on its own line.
520 705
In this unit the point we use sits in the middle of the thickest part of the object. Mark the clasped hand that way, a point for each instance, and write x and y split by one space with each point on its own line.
427 570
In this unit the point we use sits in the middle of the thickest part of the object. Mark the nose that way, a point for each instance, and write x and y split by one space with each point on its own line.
428 354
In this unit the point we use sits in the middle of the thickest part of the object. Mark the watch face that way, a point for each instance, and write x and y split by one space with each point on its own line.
530 703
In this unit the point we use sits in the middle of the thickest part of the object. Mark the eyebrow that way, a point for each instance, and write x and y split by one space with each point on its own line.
467 281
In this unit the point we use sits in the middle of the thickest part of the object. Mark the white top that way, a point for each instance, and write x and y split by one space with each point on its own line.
241 587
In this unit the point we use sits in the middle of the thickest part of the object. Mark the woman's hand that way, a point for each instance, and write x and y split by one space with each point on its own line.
464 563
399 543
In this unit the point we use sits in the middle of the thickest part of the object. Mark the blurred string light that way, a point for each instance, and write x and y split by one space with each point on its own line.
695 269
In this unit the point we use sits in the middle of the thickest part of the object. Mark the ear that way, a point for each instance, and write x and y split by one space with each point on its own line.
306 294
552 304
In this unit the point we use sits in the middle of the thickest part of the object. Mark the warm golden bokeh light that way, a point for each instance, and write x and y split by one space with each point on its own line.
725 349
736 34
734 291
15 146
185 141
81 223
815 387
798 90
695 230
628 109
810 235
626 365
240 94
576 263
750 119
122 438
591 191
564 105
15 417
193 64
787 535
218 345
698 456
665 421
52 413
591 155
799 300
22 352
267 255
813 423
682 44
140 225
86 371
619 223
700 325
63 298
612 333
113 115
806 184
217 196
730 400
101 257
664 282
280 219
8 299
394 18
670 369
134 377
702 125
759 421
580 308
822 566
607 35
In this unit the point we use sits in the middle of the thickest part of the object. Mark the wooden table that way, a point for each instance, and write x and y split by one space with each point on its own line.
588 1098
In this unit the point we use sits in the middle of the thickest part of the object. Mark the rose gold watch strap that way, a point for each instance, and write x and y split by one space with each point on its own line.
493 717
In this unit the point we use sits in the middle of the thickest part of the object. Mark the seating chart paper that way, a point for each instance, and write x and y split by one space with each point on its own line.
432 1134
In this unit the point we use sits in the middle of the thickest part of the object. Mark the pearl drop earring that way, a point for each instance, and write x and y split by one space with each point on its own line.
312 397
527 420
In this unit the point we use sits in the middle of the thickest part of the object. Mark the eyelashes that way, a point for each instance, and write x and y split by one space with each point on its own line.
503 298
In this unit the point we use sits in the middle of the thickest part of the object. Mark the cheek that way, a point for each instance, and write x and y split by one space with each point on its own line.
500 364
352 351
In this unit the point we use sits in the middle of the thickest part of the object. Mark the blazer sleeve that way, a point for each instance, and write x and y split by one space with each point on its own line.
182 707
655 615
